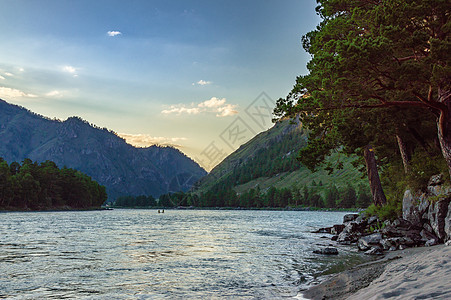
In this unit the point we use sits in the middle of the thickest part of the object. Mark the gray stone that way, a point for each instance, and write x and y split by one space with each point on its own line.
423 205
372 219
374 251
327 251
360 218
350 217
448 224
438 190
431 242
428 227
386 244
346 238
427 236
410 210
437 214
337 229
365 242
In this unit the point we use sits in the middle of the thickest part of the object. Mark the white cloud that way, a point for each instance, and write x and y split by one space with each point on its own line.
54 93
213 102
2 78
203 82
213 105
14 93
9 74
144 140
69 69
114 33
228 110
180 109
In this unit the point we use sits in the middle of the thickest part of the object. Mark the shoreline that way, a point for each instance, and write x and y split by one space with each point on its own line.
421 272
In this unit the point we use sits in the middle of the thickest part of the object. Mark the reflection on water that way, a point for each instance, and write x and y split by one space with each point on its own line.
123 254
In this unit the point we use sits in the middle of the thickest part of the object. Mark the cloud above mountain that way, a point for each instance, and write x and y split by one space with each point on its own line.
213 105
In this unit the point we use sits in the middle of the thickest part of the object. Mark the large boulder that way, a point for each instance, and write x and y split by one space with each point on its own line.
448 224
414 207
337 229
437 186
350 217
365 242
438 213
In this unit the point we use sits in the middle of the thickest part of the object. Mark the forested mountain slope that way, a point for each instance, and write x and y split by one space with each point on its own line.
269 161
100 153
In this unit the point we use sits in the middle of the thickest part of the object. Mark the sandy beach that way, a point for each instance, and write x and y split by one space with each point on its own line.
413 273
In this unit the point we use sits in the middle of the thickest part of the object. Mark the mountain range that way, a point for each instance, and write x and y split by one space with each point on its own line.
97 152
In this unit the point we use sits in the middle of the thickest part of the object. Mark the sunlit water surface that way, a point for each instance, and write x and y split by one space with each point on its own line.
141 254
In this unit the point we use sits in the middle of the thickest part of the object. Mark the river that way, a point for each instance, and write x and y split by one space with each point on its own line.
178 254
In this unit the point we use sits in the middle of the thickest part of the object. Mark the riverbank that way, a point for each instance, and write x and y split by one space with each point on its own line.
420 273
51 209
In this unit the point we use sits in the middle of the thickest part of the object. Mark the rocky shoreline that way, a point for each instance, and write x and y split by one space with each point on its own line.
425 223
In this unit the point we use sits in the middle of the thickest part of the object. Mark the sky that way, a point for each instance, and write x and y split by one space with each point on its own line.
202 75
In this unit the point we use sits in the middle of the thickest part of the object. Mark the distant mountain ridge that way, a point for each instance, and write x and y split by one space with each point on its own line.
100 153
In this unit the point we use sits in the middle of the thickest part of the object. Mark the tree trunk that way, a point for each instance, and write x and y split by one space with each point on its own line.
373 176
444 127
404 153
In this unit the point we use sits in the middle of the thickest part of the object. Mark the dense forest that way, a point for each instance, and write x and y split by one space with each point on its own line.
224 196
29 185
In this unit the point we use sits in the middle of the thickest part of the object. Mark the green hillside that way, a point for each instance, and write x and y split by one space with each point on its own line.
268 162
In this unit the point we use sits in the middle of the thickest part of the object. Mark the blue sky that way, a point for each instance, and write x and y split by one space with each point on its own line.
187 73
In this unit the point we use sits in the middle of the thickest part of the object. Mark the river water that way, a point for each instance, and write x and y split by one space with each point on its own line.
141 254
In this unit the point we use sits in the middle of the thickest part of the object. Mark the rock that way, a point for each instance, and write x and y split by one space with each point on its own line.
334 238
427 236
437 214
346 238
350 217
327 251
337 229
439 190
448 224
431 242
386 244
436 180
448 243
428 227
365 243
423 205
374 251
410 210
361 220
323 230
372 219
350 233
